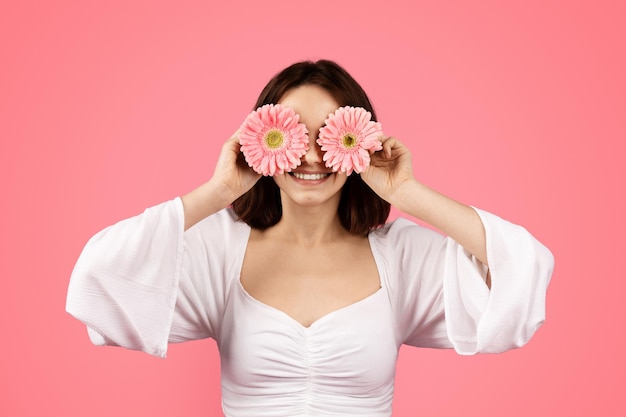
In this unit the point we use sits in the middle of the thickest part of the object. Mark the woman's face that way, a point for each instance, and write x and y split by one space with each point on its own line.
312 183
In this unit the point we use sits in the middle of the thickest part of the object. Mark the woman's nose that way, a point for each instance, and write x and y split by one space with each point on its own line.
314 154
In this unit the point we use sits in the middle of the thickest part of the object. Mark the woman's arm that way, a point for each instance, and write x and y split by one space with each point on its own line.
449 281
143 282
390 175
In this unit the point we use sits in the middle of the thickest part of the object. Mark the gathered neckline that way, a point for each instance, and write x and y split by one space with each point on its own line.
317 321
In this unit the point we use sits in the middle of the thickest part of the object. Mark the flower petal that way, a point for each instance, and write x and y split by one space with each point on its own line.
274 160
357 122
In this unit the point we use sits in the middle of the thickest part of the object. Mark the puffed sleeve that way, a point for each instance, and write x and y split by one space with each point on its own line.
144 282
439 294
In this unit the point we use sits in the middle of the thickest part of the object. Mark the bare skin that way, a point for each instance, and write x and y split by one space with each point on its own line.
308 265
308 282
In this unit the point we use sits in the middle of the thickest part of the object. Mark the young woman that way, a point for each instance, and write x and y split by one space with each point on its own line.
308 293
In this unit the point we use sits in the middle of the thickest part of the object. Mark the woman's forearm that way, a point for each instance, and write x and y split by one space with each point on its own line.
456 220
205 200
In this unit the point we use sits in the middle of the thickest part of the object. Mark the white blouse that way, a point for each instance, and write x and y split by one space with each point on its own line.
144 282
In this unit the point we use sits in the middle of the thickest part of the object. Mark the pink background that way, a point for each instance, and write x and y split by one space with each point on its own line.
108 108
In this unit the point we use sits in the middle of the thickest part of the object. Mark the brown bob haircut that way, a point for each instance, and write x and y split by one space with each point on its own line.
360 209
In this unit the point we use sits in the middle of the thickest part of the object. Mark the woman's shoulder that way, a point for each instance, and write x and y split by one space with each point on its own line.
225 220
404 231
222 230
406 244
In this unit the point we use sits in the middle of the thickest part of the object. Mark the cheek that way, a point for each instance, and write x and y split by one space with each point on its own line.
339 180
280 180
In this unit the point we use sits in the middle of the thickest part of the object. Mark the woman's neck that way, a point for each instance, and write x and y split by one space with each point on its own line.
310 225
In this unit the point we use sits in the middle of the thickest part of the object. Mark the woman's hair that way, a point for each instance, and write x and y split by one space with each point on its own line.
360 208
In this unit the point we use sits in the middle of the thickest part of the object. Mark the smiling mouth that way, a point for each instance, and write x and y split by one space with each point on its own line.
309 177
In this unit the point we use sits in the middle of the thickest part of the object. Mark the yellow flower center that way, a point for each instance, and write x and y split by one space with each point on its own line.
274 138
349 140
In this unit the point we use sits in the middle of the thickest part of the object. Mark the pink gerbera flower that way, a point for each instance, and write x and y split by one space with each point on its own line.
347 139
272 140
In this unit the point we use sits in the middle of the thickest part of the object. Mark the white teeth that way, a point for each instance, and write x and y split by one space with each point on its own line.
309 177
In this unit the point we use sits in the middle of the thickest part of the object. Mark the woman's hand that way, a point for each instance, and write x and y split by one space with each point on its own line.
390 171
231 179
232 174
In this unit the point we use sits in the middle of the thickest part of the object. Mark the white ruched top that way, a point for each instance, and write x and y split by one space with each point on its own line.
144 282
